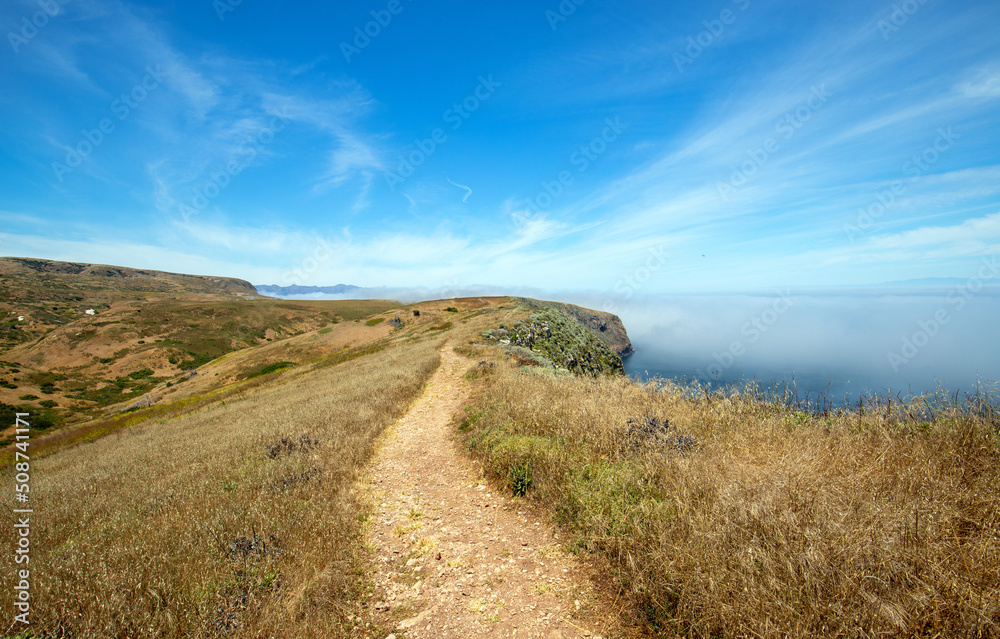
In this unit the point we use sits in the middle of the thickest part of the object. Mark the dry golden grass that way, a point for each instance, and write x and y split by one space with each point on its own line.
776 523
209 524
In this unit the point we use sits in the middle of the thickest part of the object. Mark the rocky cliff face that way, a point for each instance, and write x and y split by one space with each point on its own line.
604 326
554 339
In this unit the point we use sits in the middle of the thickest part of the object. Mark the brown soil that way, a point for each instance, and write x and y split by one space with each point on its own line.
456 556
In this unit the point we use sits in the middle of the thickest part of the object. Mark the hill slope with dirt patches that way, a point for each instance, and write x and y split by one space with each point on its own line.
79 341
79 370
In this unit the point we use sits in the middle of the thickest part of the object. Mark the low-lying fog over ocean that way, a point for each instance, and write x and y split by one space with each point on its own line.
905 339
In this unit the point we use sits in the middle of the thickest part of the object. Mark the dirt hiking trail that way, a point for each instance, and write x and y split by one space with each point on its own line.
457 557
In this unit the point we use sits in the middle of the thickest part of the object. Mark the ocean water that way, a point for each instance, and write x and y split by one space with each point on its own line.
819 388
831 345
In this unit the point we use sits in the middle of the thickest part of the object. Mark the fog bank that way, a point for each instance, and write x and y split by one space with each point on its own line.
847 341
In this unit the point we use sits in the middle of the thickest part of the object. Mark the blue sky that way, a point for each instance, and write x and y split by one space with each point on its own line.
623 148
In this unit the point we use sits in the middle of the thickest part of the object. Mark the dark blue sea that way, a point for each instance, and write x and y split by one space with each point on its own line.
831 389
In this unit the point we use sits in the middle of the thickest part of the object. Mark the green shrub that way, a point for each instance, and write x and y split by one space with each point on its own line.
451 309
38 419
197 359
519 479
552 338
375 321
271 368
470 420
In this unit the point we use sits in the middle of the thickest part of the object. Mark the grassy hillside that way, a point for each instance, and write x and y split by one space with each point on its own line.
81 341
75 372
164 358
604 326
724 515
237 520
554 340
226 508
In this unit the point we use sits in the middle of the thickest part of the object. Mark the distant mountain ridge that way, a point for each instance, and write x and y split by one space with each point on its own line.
932 282
273 289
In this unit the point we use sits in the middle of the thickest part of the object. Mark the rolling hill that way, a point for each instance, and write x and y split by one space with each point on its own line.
38 295
87 342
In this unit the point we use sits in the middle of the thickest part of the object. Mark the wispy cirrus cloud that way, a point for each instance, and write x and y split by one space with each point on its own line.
802 172
211 110
976 236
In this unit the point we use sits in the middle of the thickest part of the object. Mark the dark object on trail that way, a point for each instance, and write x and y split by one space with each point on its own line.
395 322
652 431
243 548
289 445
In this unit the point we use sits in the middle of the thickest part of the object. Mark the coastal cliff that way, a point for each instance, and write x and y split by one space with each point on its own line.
574 339
606 327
